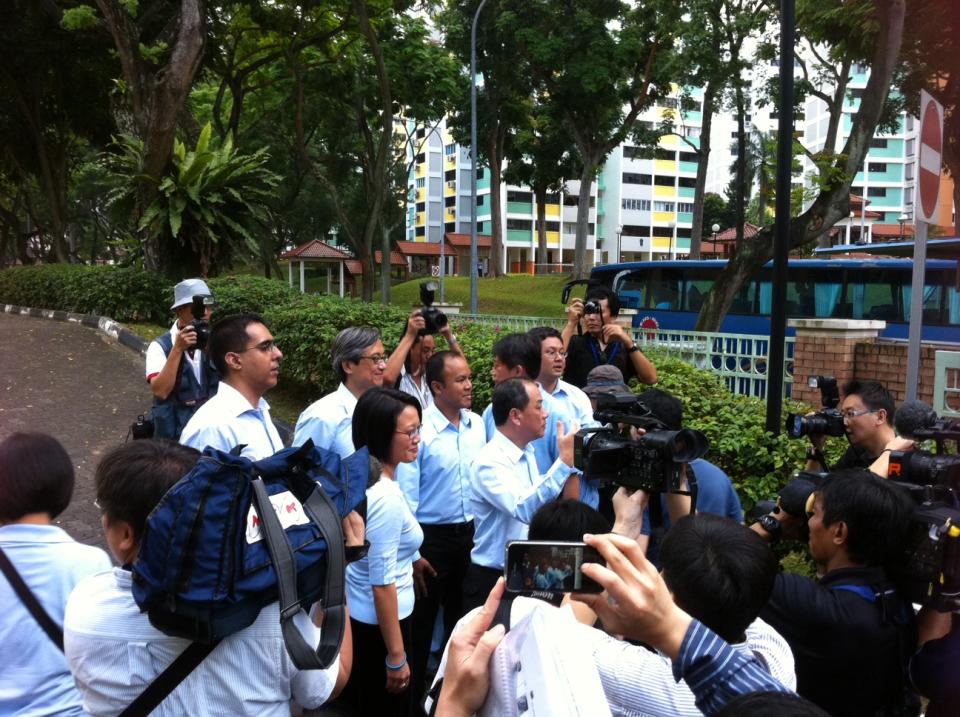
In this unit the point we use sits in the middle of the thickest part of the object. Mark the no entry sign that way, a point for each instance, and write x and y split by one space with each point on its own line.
929 158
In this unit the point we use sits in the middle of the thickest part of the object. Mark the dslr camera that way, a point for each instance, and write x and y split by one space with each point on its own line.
828 421
198 307
434 320
592 307
650 462
933 545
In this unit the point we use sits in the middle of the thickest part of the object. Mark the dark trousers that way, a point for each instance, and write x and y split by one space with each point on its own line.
477 585
366 691
447 549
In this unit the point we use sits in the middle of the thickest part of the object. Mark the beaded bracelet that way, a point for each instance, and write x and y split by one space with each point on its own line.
386 661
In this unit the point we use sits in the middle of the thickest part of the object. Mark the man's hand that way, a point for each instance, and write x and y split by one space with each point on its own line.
415 323
575 311
817 440
354 530
615 332
186 338
636 602
565 442
467 677
422 568
628 507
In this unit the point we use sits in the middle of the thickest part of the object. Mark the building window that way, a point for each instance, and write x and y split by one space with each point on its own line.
513 196
632 178
450 150
421 206
479 172
663 206
689 182
520 224
876 191
689 157
450 201
635 230
641 205
878 143
421 231
664 154
877 166
684 207
480 199
665 181
450 227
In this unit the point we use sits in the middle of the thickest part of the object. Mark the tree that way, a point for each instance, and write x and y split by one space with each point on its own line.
159 44
865 27
600 64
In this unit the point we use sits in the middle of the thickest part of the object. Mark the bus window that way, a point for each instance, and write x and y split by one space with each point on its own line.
800 298
932 296
694 292
826 301
632 290
743 302
664 293
953 304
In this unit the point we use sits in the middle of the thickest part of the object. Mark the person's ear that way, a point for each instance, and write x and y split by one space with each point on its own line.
514 416
839 532
348 367
233 361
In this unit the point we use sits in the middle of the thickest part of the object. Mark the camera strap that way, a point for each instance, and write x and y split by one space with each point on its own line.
30 601
598 358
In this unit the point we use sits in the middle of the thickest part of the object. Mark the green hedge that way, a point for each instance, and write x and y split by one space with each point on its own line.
121 293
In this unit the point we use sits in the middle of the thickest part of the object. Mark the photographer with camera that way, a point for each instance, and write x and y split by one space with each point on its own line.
851 630
407 367
180 373
865 417
605 341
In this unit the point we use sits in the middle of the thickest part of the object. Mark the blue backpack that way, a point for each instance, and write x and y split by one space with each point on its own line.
234 535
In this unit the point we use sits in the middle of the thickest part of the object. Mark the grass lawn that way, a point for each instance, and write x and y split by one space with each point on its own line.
516 295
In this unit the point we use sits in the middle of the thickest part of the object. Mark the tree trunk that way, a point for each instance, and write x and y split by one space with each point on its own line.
703 158
831 205
496 222
385 267
740 200
540 196
580 268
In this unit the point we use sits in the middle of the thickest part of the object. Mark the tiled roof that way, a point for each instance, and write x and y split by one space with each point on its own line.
421 248
315 249
396 258
461 240
730 234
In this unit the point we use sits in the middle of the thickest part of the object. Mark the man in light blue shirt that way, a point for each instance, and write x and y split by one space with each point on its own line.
508 488
360 361
437 488
243 350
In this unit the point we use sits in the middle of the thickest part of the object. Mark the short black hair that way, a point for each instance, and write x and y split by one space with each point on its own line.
36 476
597 293
664 406
771 704
873 395
437 367
566 520
519 350
229 335
131 479
719 571
375 419
510 394
542 333
875 511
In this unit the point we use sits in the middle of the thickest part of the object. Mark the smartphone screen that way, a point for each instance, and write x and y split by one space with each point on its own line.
553 567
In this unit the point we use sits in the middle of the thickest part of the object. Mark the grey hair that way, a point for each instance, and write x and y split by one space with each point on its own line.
349 346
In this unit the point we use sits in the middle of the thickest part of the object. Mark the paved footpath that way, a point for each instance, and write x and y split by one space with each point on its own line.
78 385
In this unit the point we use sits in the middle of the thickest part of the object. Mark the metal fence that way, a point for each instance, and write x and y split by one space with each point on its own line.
739 359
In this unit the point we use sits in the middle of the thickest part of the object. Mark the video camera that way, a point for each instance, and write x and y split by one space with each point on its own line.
933 545
198 307
434 320
650 462
826 422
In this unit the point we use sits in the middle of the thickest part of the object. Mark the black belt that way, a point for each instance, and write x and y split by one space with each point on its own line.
448 528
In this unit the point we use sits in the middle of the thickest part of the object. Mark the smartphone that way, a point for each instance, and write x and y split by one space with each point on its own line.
549 566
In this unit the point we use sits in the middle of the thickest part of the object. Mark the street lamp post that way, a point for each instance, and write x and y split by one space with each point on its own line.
473 159
903 218
715 229
850 227
619 234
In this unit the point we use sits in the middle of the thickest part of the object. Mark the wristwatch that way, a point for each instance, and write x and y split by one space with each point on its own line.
353 553
633 348
771 525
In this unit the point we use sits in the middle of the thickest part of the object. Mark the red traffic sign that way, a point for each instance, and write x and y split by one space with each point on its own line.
930 158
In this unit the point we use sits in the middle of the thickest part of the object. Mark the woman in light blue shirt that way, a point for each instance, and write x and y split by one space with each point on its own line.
380 586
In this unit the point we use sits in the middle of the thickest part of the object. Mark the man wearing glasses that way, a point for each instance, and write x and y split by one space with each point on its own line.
243 350
360 361
868 411
181 376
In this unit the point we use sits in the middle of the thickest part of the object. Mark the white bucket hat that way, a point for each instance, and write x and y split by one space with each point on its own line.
184 292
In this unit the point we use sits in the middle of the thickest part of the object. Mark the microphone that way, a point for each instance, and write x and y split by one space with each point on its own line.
913 416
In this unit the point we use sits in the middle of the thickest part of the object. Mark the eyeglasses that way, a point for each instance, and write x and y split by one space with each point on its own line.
376 358
561 354
412 433
265 346
856 414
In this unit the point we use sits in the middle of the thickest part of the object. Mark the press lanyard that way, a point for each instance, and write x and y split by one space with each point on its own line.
594 344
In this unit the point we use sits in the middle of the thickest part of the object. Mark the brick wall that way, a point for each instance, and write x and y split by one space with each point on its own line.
886 362
823 355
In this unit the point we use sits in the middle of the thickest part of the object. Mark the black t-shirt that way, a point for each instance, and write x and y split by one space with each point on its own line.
584 354
850 652
854 457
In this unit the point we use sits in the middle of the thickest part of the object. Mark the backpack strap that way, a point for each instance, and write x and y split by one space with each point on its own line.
864 591
30 601
168 680
320 508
